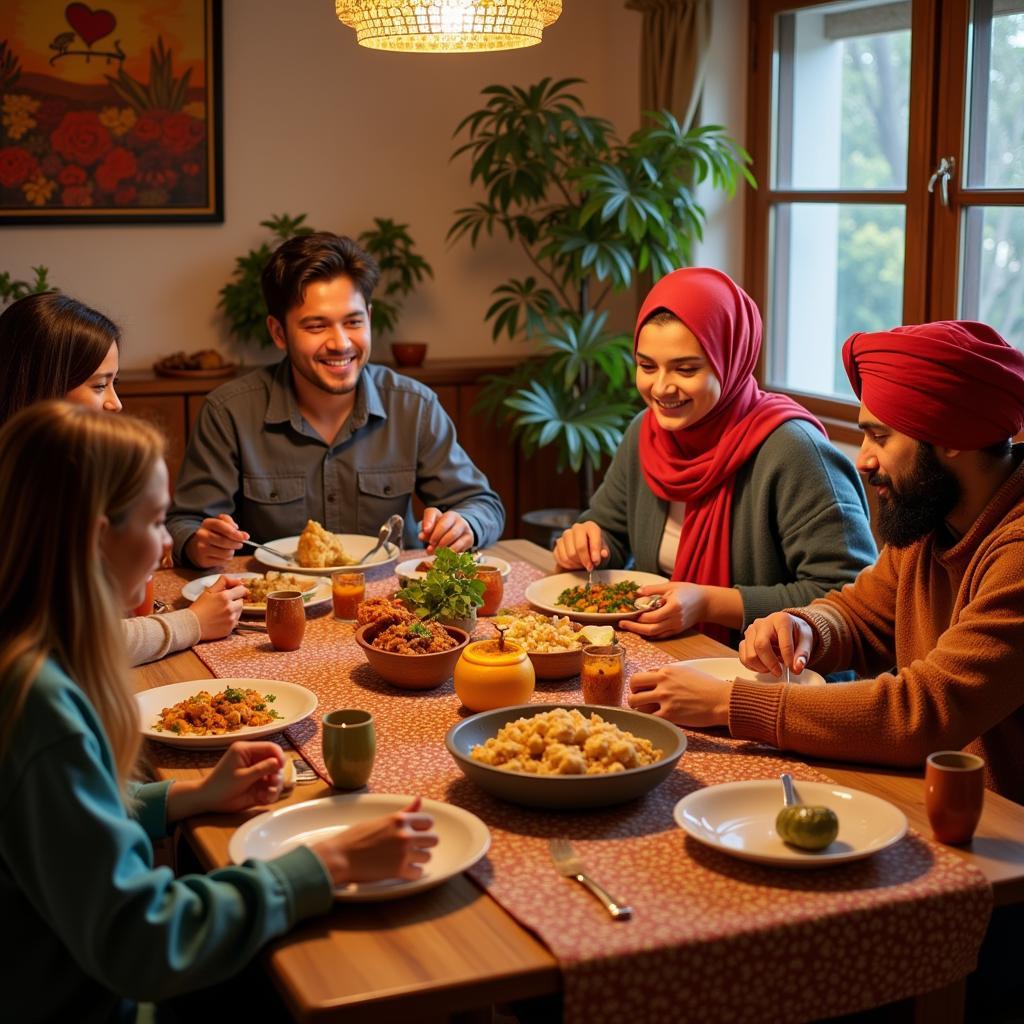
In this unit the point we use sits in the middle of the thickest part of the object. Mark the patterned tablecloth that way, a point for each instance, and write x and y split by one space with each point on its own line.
712 938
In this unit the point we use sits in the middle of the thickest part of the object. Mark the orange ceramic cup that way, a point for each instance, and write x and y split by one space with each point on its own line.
146 607
954 793
286 619
494 588
603 674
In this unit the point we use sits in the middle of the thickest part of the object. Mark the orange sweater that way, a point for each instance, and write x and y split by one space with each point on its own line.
952 622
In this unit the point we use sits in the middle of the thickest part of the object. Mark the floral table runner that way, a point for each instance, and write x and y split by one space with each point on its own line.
712 938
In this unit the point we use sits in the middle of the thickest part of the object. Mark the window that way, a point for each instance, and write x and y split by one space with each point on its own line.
888 143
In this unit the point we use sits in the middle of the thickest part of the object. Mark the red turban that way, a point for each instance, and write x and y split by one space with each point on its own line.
954 383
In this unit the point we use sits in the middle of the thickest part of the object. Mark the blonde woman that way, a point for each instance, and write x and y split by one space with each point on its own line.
84 498
53 346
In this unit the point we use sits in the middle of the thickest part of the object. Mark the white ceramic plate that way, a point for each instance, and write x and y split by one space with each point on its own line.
543 594
462 838
738 818
293 703
355 544
733 668
311 598
407 570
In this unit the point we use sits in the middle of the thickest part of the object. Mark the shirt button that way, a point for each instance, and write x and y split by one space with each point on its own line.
330 497
273 494
387 488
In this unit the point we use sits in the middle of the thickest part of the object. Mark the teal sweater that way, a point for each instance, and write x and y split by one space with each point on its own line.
95 921
799 519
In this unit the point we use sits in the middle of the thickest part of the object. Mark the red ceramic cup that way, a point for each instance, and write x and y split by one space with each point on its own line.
954 785
286 619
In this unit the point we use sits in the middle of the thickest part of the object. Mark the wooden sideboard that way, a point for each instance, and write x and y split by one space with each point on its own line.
172 404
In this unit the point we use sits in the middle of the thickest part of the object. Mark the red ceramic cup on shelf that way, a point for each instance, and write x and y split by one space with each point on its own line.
409 353
286 619
954 794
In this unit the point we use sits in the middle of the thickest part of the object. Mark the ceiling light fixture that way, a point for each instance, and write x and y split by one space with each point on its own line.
448 26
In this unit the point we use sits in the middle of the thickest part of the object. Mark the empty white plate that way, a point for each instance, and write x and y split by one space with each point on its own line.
462 838
733 668
738 818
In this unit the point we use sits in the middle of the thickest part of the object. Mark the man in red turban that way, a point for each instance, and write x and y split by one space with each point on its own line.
944 603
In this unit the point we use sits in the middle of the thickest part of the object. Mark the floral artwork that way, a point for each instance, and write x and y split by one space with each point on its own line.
110 114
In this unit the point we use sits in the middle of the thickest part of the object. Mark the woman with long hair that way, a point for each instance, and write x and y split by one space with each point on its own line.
84 498
53 346
734 493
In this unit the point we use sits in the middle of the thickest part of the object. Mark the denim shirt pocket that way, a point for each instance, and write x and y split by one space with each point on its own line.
273 490
387 484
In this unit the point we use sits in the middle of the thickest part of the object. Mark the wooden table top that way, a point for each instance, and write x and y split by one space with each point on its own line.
453 948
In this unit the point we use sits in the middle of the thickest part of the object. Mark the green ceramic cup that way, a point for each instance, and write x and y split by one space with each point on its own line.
349 744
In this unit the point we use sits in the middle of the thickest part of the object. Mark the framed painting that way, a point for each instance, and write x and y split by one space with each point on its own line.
110 114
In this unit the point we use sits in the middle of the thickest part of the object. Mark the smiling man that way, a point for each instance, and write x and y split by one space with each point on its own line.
936 626
323 435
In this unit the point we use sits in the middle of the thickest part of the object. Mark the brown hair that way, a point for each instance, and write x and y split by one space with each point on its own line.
321 256
63 467
49 345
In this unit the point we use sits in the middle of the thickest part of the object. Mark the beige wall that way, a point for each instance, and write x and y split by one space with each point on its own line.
315 124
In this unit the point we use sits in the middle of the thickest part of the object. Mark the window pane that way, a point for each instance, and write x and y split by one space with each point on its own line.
836 269
993 283
995 128
842 87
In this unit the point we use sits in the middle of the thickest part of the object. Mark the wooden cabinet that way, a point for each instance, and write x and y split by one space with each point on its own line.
524 484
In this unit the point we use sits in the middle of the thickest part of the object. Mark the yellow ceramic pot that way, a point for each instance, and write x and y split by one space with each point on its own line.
493 675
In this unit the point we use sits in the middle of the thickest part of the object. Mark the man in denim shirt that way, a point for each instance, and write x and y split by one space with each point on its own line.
322 435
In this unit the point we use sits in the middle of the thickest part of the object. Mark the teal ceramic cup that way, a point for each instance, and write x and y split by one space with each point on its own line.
349 745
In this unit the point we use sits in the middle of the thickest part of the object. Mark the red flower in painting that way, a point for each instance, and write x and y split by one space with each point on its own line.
72 174
117 165
81 137
125 195
147 128
16 166
181 132
161 178
77 195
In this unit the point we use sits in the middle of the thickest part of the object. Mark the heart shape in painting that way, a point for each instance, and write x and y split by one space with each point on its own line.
89 24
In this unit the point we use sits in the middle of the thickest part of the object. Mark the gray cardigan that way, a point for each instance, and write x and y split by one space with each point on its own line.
799 519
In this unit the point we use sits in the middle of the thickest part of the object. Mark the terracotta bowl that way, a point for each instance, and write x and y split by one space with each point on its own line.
557 664
412 671
409 353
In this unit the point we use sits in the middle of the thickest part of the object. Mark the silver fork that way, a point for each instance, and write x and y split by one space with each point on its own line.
570 866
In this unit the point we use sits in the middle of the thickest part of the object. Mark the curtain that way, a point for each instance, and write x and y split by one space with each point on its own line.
676 35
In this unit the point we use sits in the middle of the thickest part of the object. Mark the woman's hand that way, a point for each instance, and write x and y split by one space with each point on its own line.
218 607
582 546
685 604
247 775
775 642
681 695
395 846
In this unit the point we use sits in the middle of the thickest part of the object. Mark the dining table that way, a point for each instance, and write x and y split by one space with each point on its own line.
493 936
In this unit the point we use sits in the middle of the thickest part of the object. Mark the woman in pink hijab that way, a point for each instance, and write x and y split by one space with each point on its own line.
734 493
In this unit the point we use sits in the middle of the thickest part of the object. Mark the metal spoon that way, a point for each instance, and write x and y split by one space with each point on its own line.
382 536
789 794
274 551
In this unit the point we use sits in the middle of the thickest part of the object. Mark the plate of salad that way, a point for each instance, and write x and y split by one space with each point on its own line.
606 599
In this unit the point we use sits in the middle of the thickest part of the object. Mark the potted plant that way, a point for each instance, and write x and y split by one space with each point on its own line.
402 268
591 213
12 289
449 593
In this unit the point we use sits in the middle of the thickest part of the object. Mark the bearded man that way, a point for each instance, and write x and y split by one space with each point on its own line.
936 627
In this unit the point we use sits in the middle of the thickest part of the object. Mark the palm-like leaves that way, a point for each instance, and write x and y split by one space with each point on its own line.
401 269
587 209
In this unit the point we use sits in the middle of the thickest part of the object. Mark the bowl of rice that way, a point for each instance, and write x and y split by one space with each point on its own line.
554 643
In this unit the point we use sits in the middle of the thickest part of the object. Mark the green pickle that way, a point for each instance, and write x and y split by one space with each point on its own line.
810 828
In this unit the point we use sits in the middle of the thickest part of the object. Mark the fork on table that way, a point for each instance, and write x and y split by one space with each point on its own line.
570 866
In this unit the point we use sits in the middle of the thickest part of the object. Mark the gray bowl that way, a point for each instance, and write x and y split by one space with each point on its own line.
565 792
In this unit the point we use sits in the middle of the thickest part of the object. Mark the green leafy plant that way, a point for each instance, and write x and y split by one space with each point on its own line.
12 289
401 270
449 590
163 91
590 213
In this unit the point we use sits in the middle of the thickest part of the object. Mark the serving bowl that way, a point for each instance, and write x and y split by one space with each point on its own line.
565 792
411 671
557 664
